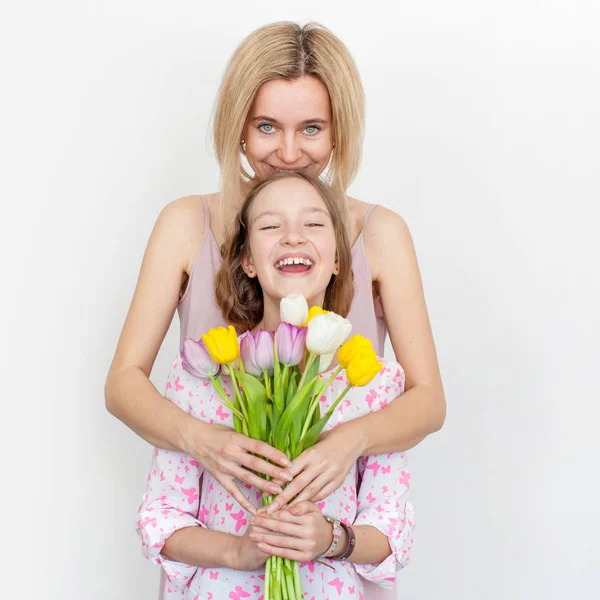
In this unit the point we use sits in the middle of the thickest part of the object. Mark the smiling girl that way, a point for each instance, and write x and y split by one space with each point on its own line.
187 521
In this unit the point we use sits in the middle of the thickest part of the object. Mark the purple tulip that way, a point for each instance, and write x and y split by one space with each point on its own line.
264 350
248 354
196 359
291 343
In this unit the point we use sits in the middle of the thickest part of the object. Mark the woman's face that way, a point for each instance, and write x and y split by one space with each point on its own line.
291 242
289 127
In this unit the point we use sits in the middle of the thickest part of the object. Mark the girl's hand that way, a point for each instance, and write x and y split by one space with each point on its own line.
228 455
320 470
300 534
248 557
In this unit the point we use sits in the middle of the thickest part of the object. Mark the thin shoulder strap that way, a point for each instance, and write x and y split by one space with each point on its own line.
373 207
206 212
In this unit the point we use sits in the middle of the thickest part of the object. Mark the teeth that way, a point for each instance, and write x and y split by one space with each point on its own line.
294 261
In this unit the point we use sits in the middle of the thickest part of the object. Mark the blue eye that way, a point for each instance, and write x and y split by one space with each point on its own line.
266 127
268 227
312 130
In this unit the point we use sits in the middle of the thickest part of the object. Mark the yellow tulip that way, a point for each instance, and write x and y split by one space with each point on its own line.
313 311
222 343
355 344
362 368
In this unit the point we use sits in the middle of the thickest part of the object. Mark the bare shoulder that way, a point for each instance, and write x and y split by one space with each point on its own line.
182 223
386 235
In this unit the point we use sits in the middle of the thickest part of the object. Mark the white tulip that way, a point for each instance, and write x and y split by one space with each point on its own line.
325 361
326 333
293 309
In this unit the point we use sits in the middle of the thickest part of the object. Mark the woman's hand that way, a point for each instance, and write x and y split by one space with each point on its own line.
228 455
248 557
300 533
320 470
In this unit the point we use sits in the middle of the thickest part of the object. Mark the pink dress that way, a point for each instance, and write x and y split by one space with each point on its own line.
179 494
198 313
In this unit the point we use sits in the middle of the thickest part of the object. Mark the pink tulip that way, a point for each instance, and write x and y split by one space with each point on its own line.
196 359
248 354
264 350
291 343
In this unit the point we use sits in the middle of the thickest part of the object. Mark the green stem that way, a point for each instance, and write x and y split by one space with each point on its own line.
314 403
267 383
311 360
236 391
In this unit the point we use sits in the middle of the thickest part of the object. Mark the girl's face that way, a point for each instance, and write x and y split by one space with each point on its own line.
291 242
289 127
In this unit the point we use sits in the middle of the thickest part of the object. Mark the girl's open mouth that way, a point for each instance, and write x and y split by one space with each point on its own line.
294 265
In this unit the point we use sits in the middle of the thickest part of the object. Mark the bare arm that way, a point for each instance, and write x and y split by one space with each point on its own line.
131 397
202 547
422 408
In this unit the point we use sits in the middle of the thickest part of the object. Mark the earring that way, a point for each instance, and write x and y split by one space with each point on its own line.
243 145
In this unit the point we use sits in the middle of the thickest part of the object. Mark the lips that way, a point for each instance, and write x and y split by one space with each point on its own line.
273 169
294 263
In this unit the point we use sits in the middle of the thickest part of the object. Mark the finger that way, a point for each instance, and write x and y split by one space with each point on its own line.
236 494
326 491
283 552
289 527
294 488
299 508
311 490
250 478
262 448
257 464
280 541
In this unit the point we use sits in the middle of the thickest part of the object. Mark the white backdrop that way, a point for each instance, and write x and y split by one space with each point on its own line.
482 131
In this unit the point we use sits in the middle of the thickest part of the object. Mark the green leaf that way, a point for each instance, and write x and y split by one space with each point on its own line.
256 399
285 422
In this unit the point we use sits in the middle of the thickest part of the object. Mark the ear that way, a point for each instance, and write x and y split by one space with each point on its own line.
248 266
336 267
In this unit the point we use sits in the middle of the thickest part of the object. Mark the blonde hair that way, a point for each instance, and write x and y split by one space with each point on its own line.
240 297
288 51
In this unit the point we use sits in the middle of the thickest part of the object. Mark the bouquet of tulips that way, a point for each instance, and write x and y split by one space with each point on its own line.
276 389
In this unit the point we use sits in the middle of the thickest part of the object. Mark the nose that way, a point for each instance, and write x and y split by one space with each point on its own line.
292 236
288 151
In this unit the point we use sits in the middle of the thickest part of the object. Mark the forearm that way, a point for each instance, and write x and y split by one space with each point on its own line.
402 424
202 547
371 546
131 398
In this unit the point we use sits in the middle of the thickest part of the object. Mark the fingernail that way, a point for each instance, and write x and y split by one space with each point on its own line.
286 463
276 489
285 475
272 507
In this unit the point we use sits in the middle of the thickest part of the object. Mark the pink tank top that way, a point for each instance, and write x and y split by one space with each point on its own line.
198 311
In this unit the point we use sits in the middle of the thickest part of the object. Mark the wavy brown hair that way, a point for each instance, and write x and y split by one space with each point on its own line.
240 297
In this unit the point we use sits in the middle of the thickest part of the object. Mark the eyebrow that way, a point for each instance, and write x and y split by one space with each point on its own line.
273 213
305 122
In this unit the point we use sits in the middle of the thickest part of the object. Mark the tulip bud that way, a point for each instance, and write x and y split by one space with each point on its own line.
264 350
325 361
196 359
222 343
326 333
248 354
355 344
314 311
293 309
362 368
290 343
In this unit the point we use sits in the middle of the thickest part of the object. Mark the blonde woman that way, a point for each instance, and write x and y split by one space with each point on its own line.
291 99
